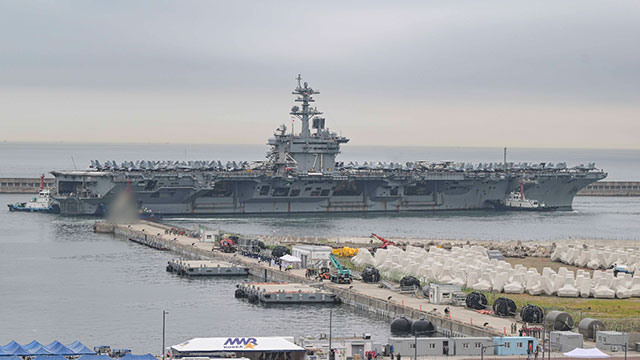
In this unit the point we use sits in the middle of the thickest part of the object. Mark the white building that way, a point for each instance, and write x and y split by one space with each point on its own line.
312 256
208 235
445 294
611 340
565 341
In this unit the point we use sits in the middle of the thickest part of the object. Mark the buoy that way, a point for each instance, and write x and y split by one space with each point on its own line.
421 326
401 326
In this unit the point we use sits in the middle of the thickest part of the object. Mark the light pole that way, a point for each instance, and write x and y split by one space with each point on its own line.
164 314
624 346
330 326
415 345
549 337
544 331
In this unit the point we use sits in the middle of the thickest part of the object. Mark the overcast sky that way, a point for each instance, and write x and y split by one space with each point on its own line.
430 73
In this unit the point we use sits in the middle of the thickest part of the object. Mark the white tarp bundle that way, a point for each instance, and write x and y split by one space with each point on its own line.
579 353
470 266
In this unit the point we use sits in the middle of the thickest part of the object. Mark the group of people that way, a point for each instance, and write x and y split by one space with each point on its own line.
272 261
177 231
526 330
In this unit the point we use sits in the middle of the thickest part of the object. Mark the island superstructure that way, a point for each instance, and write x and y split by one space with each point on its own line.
301 175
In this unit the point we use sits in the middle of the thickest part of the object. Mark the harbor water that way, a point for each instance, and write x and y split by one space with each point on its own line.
605 218
62 281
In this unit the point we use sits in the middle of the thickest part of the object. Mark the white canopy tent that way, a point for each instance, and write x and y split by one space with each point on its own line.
579 353
290 260
234 344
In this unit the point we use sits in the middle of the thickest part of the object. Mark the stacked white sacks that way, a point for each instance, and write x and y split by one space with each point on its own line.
470 266
597 258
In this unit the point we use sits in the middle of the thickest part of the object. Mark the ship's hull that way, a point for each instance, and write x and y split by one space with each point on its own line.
557 191
54 209
274 196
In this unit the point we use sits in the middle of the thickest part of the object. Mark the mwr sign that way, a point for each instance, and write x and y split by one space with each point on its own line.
240 343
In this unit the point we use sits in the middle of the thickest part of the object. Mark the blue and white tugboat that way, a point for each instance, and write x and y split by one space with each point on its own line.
42 203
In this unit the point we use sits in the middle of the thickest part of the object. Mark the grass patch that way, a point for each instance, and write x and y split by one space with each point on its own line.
579 308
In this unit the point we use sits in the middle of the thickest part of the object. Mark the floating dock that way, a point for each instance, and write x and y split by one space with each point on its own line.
276 293
205 268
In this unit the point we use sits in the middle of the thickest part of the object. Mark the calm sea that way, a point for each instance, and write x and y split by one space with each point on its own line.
61 281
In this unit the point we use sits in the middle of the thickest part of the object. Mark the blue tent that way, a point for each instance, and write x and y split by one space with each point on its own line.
5 353
32 345
138 357
51 357
57 348
79 348
93 357
13 348
10 347
35 348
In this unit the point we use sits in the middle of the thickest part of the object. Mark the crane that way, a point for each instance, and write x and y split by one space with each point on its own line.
385 242
343 275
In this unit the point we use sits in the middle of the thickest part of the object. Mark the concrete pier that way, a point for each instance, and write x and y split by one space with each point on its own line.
362 296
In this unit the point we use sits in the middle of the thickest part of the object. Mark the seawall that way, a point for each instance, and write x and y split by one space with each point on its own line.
24 185
611 188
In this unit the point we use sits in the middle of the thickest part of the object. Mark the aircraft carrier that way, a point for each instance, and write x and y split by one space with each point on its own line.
301 175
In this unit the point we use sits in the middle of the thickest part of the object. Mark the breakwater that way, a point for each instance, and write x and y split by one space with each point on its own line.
24 185
361 296
611 188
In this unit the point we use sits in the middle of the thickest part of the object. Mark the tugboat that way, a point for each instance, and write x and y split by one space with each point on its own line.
42 203
516 201
149 215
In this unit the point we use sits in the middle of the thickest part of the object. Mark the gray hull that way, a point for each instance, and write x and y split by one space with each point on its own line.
557 191
273 196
